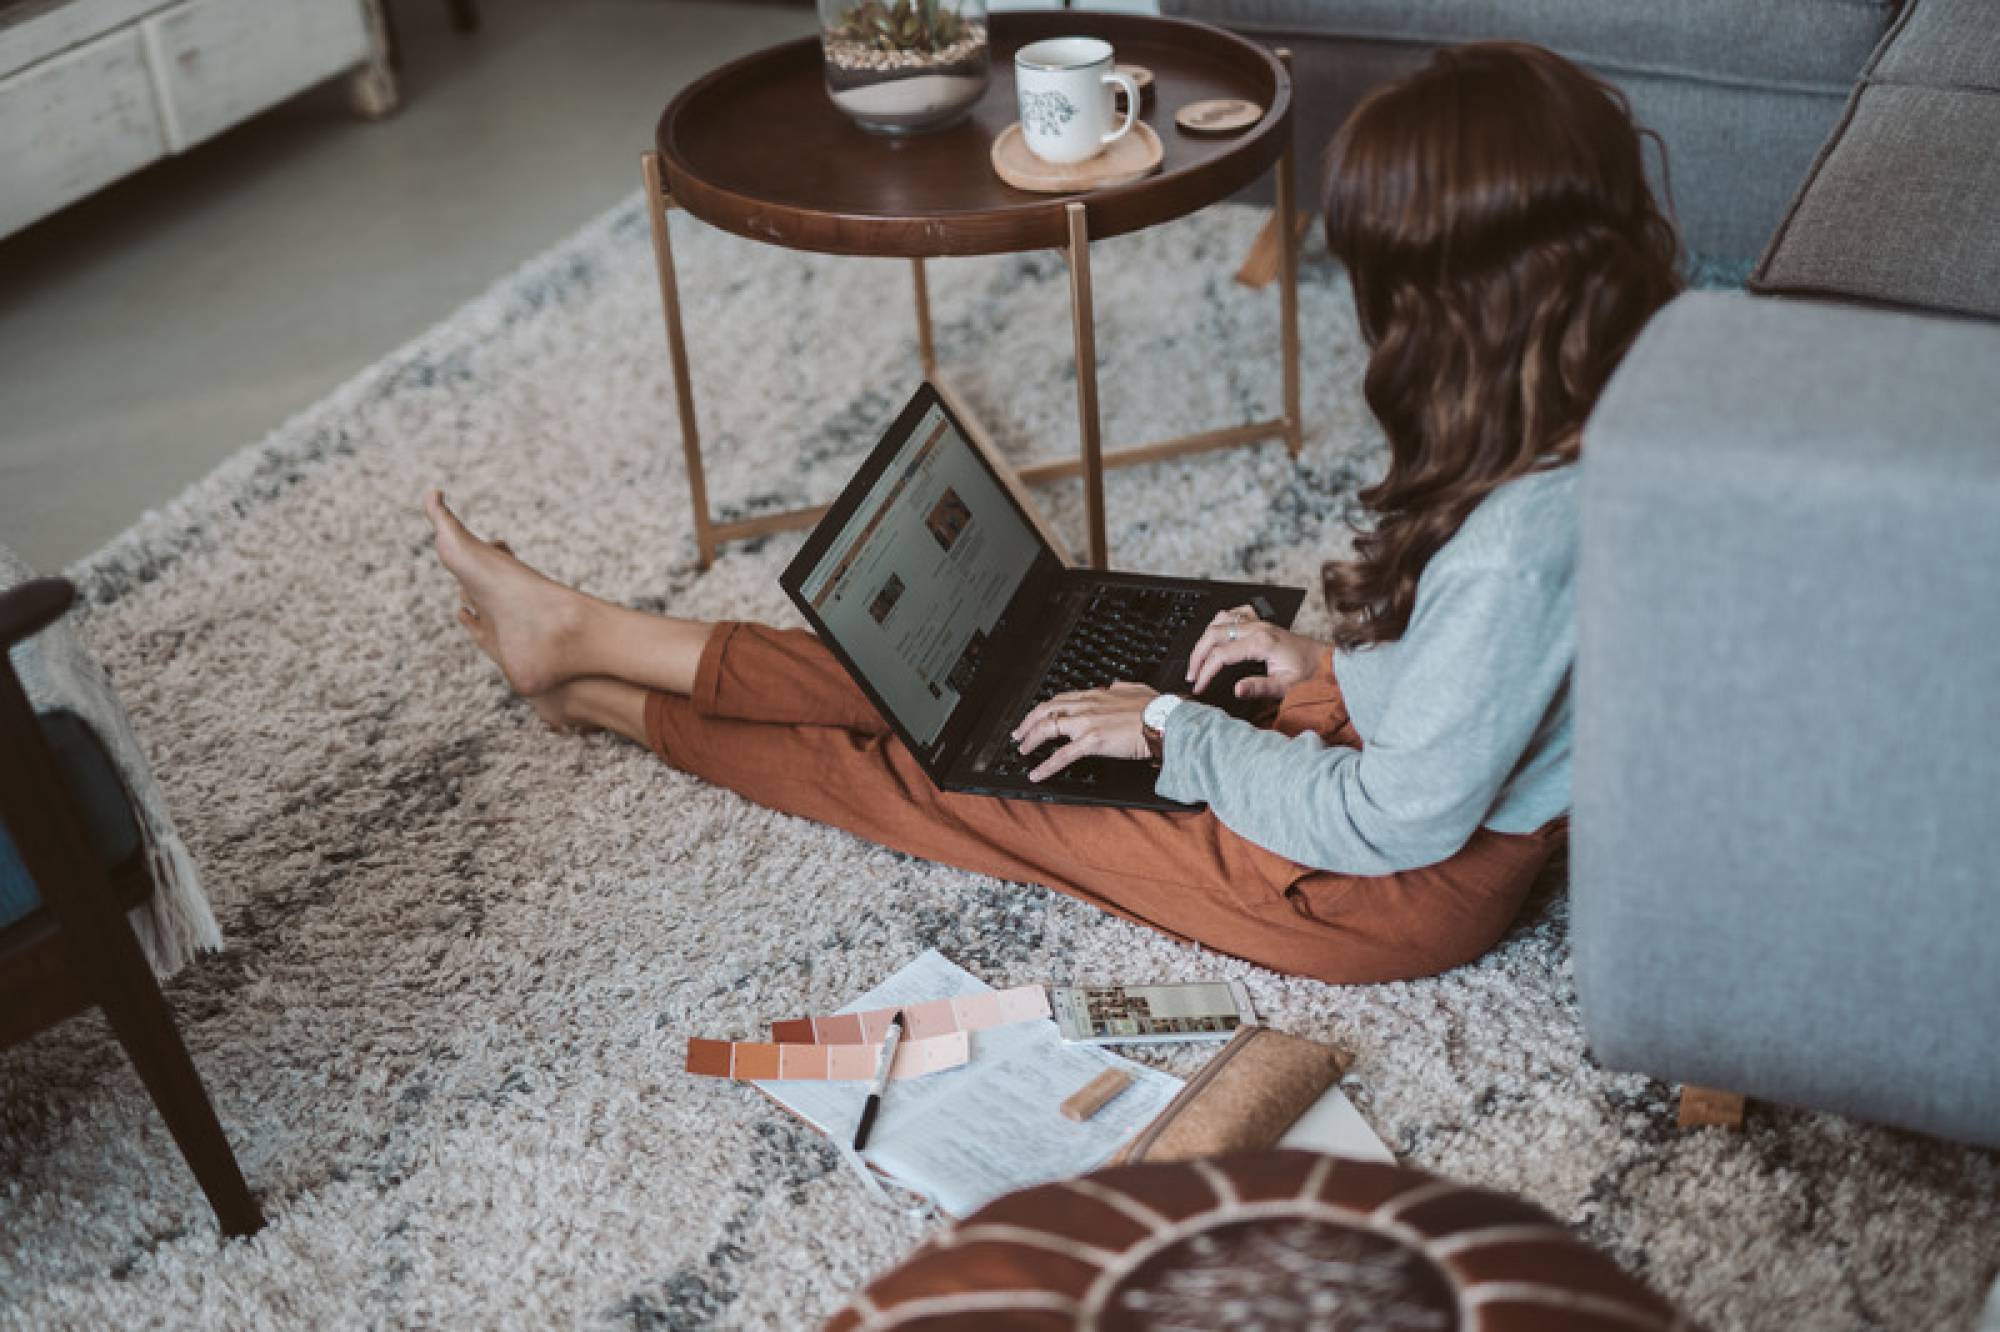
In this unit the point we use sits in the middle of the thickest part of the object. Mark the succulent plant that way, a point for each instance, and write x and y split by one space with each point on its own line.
905 25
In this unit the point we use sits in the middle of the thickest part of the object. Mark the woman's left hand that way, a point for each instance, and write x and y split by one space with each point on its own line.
1092 723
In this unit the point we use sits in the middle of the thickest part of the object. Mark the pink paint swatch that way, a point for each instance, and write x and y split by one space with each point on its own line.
931 1018
756 1061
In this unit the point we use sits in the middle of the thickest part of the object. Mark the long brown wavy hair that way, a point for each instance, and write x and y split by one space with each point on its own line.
1504 248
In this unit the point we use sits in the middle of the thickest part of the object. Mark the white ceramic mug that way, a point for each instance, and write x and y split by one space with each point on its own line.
1064 85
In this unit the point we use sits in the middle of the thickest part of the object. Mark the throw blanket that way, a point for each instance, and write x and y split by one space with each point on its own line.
175 922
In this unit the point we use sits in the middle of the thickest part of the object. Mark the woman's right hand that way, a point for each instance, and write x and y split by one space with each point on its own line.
1237 636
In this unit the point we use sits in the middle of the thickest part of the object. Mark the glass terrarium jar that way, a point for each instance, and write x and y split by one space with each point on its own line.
904 66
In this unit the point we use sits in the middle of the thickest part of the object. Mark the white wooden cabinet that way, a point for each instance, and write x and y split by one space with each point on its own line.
74 123
93 89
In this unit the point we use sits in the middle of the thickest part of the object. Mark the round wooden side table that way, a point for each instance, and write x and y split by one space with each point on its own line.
758 149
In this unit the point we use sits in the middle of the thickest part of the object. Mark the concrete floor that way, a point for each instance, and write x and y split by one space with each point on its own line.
148 332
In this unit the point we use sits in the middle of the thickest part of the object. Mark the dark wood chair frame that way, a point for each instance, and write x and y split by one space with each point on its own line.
78 950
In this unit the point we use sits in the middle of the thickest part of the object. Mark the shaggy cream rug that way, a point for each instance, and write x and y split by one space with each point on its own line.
464 953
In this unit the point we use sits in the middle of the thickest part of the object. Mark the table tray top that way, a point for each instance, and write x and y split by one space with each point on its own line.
758 148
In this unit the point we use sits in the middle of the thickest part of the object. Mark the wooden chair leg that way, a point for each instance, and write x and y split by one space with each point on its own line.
105 961
1704 1107
145 1027
1262 262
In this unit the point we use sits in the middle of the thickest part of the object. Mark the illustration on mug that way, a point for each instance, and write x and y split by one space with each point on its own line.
1046 112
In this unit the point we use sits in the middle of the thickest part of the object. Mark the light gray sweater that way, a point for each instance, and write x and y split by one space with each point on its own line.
1465 719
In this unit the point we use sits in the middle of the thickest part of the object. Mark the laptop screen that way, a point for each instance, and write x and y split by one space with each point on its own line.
916 579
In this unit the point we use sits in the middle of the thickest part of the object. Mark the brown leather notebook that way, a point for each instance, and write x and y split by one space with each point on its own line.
1254 1089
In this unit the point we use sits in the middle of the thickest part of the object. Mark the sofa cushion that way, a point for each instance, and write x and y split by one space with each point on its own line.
1904 208
1944 44
107 814
1900 206
1811 45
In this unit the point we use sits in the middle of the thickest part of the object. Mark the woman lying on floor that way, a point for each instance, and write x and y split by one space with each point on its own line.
1493 214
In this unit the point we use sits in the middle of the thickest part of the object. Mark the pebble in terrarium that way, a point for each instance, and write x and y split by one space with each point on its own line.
901 66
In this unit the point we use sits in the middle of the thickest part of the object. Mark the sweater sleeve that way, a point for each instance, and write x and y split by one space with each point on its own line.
1485 656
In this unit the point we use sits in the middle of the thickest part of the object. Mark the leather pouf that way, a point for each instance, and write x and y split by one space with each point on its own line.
1275 1241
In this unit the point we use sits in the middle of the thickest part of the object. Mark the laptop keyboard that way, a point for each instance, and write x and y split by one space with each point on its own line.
1123 634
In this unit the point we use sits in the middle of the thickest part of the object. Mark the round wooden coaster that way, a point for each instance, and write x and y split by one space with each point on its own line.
1133 157
1140 75
1224 115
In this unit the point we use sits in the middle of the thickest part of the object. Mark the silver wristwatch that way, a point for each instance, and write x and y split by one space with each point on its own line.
1153 722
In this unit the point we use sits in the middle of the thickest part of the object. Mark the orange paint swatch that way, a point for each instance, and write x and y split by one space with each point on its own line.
757 1061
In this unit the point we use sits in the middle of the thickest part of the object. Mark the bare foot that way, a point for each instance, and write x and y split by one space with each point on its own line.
554 707
527 623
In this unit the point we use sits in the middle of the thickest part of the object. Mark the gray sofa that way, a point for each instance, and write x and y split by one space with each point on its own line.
1785 871
1742 91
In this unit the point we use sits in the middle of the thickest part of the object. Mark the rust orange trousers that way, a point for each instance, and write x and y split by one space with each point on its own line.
776 719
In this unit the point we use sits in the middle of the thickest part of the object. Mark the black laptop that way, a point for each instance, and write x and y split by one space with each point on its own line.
948 607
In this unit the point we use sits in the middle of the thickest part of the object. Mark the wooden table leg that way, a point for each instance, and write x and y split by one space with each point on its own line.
1084 318
975 429
658 204
1091 460
1261 261
1010 476
926 349
1288 280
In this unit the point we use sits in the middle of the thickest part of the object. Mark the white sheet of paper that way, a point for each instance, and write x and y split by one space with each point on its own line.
971 1134
1334 1126
1006 1131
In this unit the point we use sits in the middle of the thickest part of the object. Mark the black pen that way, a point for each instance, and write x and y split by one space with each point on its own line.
890 1040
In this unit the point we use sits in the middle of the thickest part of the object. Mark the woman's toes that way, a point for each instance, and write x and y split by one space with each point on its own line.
441 517
456 545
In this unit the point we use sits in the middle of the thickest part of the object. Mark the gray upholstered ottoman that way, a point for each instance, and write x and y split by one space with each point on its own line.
1785 864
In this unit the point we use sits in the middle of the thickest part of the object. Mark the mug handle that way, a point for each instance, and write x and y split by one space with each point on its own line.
1131 87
